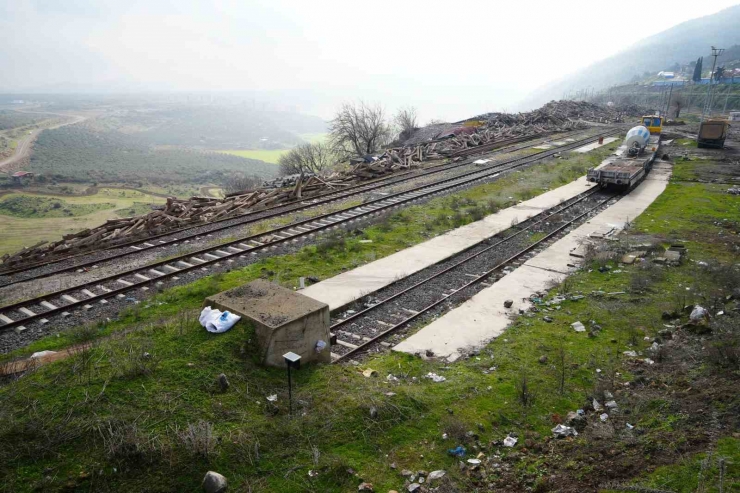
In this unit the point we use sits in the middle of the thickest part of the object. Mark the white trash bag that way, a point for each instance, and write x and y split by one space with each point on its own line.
216 321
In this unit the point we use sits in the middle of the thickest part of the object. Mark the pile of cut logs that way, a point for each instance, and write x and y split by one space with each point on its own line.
453 141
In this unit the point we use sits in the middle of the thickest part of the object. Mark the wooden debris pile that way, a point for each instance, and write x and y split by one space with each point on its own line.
454 141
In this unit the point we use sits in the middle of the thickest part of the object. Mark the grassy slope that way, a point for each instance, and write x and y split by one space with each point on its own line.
272 156
17 232
57 418
268 156
34 206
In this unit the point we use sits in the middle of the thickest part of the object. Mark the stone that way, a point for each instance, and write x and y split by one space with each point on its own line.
578 327
547 319
284 320
214 482
413 487
575 420
543 359
508 303
365 487
435 475
611 405
406 473
666 334
223 382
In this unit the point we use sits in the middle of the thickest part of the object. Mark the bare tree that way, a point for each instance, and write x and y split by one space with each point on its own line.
307 158
407 121
239 182
678 103
359 129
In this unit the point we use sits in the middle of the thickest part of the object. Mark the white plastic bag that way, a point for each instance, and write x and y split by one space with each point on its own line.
698 313
216 321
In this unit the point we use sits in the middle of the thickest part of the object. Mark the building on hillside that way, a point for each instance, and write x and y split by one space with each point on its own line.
22 177
666 75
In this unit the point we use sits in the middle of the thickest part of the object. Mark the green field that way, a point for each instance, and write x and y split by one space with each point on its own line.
272 156
38 207
268 156
24 228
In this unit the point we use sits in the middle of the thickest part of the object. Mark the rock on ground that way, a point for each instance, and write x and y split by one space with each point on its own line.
214 483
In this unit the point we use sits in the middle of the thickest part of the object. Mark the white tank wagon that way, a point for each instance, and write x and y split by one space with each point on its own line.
637 155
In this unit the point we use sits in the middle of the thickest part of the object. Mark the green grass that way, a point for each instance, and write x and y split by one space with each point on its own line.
695 212
92 210
317 137
33 206
53 423
136 209
268 156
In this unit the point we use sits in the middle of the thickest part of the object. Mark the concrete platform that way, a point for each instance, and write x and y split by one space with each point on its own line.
483 317
595 145
344 288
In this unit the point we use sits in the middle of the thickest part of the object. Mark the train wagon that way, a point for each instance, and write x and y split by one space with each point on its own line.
634 161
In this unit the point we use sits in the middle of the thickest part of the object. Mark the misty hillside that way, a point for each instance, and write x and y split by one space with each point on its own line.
681 43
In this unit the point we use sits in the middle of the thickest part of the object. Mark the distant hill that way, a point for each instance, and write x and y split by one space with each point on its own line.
686 41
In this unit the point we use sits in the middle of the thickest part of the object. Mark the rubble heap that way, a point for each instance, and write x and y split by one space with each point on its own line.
434 142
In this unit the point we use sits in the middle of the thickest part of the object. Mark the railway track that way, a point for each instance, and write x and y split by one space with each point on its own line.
173 237
41 310
455 279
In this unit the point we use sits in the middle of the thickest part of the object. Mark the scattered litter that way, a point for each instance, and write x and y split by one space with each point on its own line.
366 241
320 346
611 404
444 436
435 378
390 394
648 361
216 321
272 398
509 441
458 451
391 378
435 475
481 161
562 431
370 373
629 426
597 406
608 395
603 417
474 462
578 327
631 354
41 354
698 313
312 473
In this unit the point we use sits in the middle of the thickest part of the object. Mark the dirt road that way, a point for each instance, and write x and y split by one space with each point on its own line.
24 145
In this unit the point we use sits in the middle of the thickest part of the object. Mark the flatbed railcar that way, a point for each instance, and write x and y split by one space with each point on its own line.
634 158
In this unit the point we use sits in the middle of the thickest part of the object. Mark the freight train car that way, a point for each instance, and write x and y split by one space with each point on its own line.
634 161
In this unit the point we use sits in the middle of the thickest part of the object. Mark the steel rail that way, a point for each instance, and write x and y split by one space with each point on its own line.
321 223
245 219
444 297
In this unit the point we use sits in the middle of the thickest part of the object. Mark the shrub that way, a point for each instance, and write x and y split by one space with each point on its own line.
198 439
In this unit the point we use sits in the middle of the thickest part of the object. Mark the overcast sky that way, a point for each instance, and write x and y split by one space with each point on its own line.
451 59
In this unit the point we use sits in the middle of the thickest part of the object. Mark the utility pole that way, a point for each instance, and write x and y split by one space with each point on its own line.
708 103
668 104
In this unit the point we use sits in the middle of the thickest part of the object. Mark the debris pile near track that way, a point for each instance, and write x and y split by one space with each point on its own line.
480 134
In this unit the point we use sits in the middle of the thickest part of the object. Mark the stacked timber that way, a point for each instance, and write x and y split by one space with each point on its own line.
435 142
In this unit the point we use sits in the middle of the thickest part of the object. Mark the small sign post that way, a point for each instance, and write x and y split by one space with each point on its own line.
292 360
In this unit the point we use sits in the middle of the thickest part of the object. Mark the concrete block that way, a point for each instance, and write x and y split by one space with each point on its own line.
284 320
